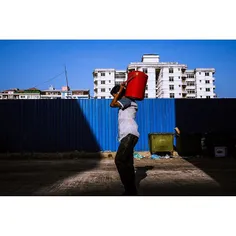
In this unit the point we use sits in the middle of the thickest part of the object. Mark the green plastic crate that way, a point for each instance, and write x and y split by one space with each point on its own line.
161 142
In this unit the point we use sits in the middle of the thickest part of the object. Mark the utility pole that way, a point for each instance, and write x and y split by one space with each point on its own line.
66 80
69 94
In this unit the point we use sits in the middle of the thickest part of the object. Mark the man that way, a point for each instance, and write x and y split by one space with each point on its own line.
128 137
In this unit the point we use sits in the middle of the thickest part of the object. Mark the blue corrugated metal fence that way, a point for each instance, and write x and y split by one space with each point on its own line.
154 115
68 125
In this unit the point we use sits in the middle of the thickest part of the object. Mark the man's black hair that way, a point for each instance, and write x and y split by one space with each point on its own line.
116 89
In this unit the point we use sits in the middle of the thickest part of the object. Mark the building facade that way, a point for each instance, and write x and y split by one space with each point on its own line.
105 80
20 94
165 79
50 93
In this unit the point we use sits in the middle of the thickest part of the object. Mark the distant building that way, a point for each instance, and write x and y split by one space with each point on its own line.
165 79
51 93
32 93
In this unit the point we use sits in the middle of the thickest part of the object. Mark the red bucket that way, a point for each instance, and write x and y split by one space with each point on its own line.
136 85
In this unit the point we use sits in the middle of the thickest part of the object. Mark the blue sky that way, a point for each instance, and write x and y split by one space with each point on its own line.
26 63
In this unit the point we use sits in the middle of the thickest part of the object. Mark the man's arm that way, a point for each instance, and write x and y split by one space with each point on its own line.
114 102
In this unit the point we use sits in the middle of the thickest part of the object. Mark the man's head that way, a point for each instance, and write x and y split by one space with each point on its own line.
116 89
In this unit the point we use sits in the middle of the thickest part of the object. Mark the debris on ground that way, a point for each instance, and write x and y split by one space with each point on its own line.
138 156
175 154
155 156
165 157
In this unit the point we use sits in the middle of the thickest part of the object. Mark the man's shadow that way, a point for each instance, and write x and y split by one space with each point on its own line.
141 173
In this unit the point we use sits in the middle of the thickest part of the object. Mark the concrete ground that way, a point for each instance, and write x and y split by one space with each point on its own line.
98 177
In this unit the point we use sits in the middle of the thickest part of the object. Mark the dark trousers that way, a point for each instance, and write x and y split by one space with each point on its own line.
124 161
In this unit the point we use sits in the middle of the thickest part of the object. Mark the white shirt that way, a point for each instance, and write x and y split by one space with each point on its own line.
126 118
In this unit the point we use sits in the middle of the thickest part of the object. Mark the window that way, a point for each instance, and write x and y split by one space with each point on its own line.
179 93
109 96
146 95
208 96
200 88
102 97
172 95
109 89
178 69
171 70
201 96
199 73
179 77
179 85
200 81
190 91
208 89
190 83
109 81
102 74
103 82
103 90
207 74
145 70
171 87
207 81
109 73
171 78
120 76
190 75
146 87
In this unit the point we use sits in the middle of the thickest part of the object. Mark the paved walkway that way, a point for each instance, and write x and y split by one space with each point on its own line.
98 177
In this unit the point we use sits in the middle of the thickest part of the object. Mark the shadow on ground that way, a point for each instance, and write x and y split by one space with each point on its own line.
191 177
84 177
215 117
141 173
29 127
221 170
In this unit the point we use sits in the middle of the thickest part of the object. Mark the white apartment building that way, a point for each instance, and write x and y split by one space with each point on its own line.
105 80
165 79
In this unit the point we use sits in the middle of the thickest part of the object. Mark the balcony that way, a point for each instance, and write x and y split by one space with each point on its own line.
184 85
191 95
120 76
191 87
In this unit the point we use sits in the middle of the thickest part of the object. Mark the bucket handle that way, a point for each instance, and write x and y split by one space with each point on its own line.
127 81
